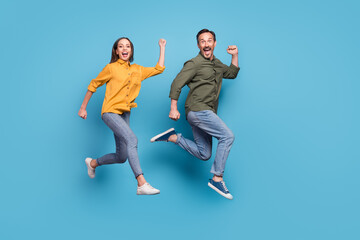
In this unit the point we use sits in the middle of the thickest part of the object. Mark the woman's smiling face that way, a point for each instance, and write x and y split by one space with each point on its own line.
124 50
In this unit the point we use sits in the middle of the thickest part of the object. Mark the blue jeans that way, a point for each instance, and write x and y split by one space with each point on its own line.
126 142
205 125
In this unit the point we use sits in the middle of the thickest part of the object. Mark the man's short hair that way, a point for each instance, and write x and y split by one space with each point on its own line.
205 31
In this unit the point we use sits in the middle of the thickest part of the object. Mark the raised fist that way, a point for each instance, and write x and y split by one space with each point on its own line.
162 42
233 50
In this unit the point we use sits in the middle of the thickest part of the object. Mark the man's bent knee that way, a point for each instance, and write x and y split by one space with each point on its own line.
228 138
205 155
231 137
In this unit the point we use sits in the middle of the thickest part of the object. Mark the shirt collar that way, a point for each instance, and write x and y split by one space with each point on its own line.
204 58
122 62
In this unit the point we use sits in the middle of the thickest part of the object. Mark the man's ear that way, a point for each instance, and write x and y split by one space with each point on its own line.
215 44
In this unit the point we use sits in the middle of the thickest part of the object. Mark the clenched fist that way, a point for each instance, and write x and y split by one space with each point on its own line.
162 42
174 114
233 50
82 113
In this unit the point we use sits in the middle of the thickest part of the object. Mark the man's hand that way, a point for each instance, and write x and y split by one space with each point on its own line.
174 114
82 113
233 50
162 43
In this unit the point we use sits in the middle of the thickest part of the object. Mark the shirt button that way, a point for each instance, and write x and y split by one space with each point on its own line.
127 87
128 73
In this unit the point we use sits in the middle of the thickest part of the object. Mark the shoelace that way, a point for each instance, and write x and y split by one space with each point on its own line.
223 184
147 184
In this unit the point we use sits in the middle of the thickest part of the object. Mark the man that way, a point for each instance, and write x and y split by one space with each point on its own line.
203 75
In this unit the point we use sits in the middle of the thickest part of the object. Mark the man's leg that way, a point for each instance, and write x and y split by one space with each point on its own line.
206 124
201 147
211 124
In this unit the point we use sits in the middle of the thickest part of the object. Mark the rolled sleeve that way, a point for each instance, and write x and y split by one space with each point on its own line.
147 72
230 72
91 88
103 77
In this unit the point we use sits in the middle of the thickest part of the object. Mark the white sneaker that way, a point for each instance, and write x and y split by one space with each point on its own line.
147 189
91 170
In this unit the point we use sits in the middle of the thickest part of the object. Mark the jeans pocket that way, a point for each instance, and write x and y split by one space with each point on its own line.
194 118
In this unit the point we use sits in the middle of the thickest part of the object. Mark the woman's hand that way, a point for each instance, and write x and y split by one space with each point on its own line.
162 43
82 113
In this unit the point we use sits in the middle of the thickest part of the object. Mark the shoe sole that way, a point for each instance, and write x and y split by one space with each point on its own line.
220 192
161 134
147 194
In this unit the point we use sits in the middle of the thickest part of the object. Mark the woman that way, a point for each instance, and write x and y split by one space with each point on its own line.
123 81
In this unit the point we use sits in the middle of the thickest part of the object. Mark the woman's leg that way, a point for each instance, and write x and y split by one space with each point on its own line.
127 140
126 148
120 155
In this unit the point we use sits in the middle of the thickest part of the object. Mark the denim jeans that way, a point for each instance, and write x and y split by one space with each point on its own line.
126 142
205 125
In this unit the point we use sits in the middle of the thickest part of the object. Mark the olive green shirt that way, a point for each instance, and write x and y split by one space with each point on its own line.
203 77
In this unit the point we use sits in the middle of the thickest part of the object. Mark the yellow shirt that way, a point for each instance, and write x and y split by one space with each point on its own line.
123 82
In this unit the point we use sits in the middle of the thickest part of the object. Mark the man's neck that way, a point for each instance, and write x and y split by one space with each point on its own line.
211 58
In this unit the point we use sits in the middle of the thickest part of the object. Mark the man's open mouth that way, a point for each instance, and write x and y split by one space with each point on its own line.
207 50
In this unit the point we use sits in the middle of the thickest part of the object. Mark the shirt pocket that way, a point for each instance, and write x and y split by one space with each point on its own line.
135 85
135 77
207 74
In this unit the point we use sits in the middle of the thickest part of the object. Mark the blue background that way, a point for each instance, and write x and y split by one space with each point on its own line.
294 109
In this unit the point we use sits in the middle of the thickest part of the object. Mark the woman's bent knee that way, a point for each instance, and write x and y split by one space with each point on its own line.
120 159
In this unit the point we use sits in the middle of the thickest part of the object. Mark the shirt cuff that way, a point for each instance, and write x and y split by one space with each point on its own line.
174 96
91 88
232 66
160 68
